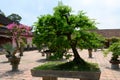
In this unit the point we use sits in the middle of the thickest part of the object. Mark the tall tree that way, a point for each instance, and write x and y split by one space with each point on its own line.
15 17
63 30
2 13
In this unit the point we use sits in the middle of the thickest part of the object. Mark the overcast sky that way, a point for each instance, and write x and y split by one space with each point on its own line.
106 12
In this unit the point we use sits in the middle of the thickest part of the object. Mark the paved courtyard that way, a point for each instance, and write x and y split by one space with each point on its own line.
34 58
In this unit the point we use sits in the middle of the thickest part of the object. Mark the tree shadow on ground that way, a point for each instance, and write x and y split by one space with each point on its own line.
10 73
5 62
41 60
113 69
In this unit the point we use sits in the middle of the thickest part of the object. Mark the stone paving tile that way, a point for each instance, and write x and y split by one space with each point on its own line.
33 58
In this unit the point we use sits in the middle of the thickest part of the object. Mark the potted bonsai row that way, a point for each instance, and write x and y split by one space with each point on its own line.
115 49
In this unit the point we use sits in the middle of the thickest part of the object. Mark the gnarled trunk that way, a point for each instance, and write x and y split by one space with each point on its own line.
21 51
73 44
77 59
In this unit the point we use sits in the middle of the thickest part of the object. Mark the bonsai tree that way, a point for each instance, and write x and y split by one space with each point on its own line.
19 33
115 49
63 30
114 39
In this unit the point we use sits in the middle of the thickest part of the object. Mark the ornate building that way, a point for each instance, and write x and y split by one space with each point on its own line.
5 35
4 32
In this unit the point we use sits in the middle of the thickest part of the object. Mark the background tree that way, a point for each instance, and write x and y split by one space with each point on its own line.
91 41
63 30
114 39
2 13
15 17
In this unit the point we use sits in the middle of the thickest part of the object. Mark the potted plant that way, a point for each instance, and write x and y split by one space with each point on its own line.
115 49
10 54
63 30
19 33
51 70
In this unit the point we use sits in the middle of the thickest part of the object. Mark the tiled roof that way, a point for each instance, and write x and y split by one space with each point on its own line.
6 36
4 20
4 32
108 33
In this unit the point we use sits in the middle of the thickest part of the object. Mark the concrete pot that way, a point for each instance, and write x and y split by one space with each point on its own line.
115 64
54 74
14 62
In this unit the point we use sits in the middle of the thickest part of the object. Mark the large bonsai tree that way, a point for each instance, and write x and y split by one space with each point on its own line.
63 30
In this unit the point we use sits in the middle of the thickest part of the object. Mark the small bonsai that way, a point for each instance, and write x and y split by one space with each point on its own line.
115 49
19 33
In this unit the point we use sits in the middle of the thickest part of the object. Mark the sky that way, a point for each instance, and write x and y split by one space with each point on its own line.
105 12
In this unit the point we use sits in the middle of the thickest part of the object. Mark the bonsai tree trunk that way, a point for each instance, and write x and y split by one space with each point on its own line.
43 54
21 51
21 48
90 52
14 61
77 59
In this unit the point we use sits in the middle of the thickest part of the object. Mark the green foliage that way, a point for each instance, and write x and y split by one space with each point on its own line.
8 47
56 56
114 39
15 17
48 65
91 40
67 56
63 30
68 66
114 48
2 13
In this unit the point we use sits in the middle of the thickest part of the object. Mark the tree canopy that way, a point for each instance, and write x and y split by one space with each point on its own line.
14 17
2 13
64 30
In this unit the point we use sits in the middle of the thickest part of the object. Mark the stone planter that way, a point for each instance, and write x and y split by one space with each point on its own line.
54 74
14 62
115 64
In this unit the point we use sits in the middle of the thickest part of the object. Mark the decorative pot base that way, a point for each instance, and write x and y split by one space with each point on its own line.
54 74
14 62
114 66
